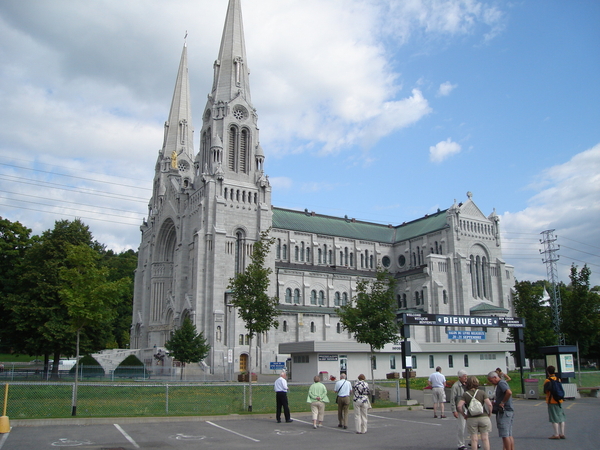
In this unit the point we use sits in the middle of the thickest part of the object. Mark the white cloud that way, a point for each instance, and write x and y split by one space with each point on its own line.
568 201
445 89
281 182
443 150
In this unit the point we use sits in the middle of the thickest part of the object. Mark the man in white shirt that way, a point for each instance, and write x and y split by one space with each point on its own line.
437 381
281 389
342 389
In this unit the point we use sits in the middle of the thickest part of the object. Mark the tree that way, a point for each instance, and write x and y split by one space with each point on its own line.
87 295
371 316
187 346
581 311
538 331
249 291
14 242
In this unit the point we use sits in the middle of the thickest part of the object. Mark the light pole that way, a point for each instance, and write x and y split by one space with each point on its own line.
230 333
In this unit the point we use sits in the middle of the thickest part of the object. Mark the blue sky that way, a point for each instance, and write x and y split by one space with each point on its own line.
379 110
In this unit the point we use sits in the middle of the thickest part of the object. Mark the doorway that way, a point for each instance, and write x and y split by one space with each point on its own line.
243 362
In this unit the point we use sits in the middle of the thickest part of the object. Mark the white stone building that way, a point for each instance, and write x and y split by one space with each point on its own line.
207 210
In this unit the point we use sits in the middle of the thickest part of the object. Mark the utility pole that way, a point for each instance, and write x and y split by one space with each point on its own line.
550 258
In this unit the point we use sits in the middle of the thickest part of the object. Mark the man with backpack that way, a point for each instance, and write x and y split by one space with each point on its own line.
554 398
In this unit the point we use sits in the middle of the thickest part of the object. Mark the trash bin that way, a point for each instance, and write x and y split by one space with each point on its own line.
324 376
532 390
427 399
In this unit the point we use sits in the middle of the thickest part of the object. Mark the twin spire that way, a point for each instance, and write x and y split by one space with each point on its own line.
231 81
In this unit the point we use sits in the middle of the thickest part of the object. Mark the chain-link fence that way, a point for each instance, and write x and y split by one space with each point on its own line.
35 400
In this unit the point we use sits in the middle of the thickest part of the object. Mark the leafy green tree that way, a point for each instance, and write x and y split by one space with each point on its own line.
538 331
86 293
249 290
14 242
41 321
187 346
371 315
581 311
121 265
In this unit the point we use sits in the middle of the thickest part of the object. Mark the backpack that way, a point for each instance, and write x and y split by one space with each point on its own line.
475 407
556 390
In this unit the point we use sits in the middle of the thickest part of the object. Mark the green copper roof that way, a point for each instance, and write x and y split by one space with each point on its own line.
307 222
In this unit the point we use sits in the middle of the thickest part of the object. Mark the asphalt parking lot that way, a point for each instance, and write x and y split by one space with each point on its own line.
388 429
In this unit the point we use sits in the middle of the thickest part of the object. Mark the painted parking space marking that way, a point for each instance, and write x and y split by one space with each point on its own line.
289 433
4 438
124 433
408 421
65 442
231 431
184 437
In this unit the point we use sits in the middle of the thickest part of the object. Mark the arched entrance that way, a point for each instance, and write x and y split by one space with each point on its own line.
243 362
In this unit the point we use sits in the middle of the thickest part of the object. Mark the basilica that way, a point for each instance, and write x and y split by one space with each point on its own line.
209 207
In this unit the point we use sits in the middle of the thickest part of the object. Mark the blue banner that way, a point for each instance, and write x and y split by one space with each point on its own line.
460 334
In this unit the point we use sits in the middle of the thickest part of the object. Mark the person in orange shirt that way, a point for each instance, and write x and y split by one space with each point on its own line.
556 412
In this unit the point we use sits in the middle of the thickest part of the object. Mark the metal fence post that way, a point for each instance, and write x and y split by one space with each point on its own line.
167 398
244 397
398 391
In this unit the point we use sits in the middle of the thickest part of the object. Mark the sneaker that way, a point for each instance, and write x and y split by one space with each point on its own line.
340 425
315 427
320 425
435 416
462 447
288 421
442 416
345 428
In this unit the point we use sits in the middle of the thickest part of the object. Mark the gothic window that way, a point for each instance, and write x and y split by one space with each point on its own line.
466 361
241 339
483 276
404 304
351 259
296 253
302 251
344 299
436 247
278 248
450 361
233 145
399 301
414 259
371 261
362 261
338 328
341 258
285 326
296 296
284 249
247 339
320 253
346 256
313 297
336 299
330 256
431 362
307 254
445 297
313 328
441 251
239 259
417 300
288 295
477 275
321 298
325 254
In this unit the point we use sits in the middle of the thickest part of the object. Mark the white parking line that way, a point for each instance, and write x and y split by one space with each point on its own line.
4 438
231 431
404 420
129 438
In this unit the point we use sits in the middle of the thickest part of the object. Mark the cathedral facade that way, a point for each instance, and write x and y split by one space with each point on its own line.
208 208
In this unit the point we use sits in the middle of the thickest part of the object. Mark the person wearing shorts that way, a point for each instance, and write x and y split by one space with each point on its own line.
504 411
481 423
437 381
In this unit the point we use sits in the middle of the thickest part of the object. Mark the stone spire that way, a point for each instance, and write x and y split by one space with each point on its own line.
231 67
179 131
